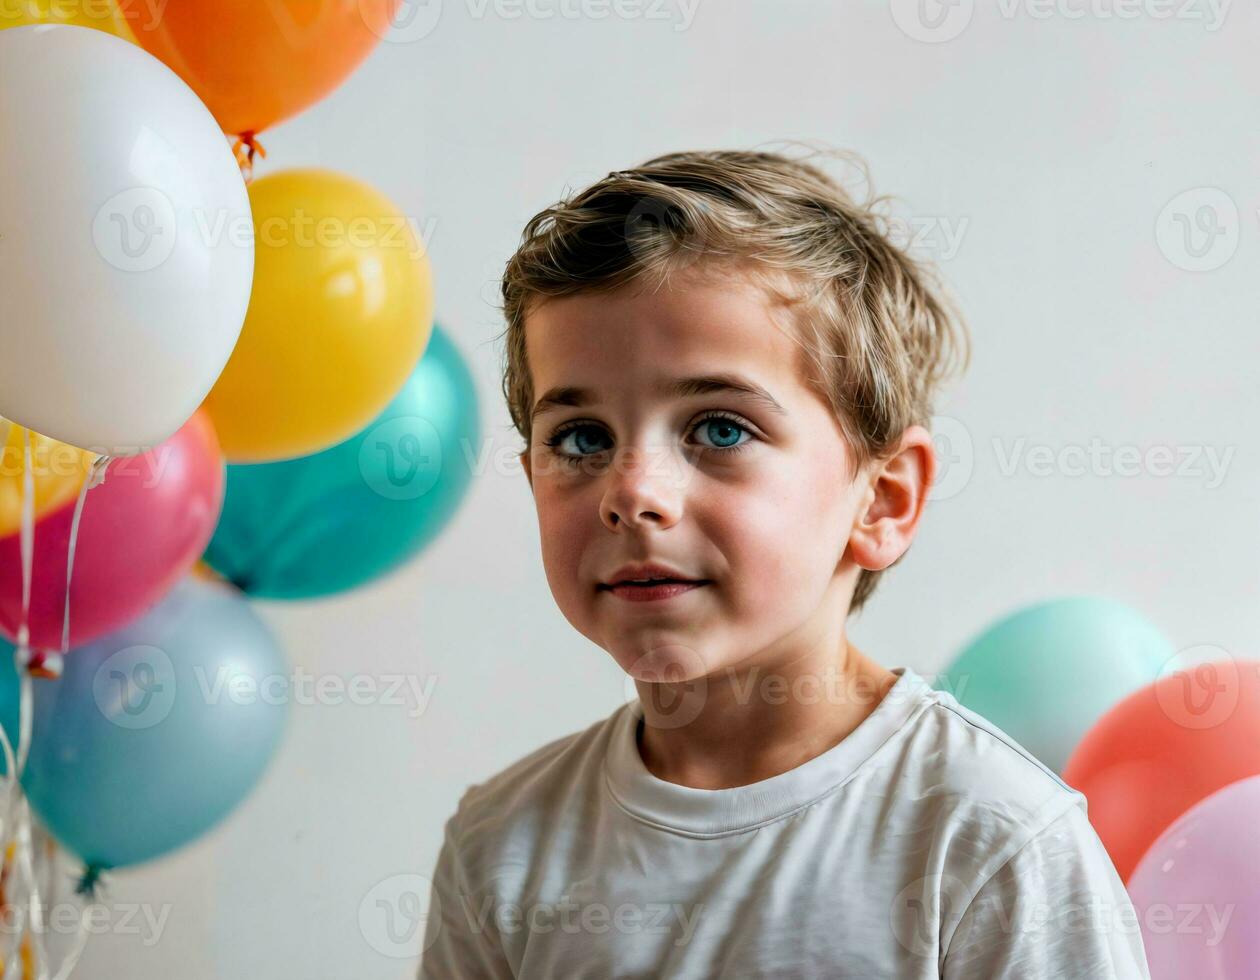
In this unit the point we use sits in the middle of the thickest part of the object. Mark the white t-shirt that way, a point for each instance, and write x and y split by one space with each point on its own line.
927 843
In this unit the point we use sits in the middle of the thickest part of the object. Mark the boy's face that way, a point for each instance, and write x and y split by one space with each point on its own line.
758 503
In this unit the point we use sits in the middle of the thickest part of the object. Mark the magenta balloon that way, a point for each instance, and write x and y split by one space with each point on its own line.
1197 890
141 530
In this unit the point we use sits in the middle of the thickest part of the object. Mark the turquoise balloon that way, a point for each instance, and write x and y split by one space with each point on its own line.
331 521
155 732
1046 673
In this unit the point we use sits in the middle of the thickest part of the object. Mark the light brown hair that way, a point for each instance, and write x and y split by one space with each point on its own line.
878 330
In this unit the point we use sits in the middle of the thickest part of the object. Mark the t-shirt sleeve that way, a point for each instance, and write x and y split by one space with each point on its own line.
1056 910
460 939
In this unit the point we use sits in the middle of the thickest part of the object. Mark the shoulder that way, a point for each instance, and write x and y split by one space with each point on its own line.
548 781
952 752
974 809
965 797
1057 907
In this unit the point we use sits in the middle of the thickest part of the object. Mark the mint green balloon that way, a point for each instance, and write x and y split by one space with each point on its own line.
1046 673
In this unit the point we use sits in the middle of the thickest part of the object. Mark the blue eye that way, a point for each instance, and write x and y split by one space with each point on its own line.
577 431
724 431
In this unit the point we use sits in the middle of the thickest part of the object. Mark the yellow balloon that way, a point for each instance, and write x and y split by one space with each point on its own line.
100 14
341 311
57 472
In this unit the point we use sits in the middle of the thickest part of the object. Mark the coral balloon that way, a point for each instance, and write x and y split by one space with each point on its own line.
140 531
1163 749
256 63
1197 890
341 311
57 473
100 14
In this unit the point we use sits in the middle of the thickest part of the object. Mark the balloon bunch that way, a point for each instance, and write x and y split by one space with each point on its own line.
213 388
1165 745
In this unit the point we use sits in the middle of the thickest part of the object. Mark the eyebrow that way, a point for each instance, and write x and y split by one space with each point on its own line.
731 384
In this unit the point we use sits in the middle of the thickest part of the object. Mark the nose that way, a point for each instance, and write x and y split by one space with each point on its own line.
643 490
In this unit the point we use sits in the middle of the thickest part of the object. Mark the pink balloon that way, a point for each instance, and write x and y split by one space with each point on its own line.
141 530
1197 890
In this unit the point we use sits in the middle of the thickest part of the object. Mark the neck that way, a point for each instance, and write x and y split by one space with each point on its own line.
750 723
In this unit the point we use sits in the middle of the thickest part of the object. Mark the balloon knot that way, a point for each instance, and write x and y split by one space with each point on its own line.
100 466
90 883
44 663
243 149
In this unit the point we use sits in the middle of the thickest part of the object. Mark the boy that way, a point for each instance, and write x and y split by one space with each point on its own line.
723 371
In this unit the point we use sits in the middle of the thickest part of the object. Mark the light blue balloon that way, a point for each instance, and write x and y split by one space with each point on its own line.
334 520
155 732
1046 673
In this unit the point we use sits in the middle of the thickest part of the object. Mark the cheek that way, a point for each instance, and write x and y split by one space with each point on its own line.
782 533
563 527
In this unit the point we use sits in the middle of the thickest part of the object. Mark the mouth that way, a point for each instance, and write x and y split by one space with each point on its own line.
653 590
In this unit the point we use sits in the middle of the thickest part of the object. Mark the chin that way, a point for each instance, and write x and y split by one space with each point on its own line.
668 662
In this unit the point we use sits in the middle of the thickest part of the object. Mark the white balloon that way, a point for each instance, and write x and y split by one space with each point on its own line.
126 241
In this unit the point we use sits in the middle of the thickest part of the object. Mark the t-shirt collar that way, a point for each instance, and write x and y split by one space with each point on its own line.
715 812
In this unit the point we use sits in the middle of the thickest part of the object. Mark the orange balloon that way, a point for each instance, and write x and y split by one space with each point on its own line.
1163 749
255 62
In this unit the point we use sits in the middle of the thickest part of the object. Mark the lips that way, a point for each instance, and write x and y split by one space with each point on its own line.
640 583
657 590
645 574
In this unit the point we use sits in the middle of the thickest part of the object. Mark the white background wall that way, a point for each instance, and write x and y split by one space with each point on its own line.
1051 143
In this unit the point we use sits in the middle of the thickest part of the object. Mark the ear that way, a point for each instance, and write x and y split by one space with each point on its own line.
529 473
893 503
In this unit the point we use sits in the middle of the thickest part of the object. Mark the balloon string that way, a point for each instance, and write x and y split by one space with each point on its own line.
243 149
18 832
27 540
95 478
16 825
22 855
15 761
